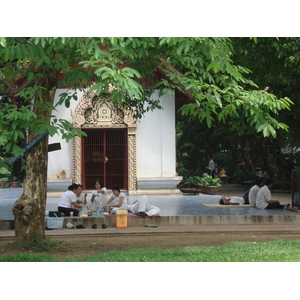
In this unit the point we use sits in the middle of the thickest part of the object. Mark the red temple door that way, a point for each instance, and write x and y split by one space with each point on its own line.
105 157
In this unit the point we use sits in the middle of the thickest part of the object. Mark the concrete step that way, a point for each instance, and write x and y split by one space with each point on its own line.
176 220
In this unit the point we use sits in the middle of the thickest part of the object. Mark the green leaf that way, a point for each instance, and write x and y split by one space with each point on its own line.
3 42
17 150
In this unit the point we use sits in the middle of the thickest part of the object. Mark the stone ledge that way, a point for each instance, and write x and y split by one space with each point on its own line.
179 220
158 183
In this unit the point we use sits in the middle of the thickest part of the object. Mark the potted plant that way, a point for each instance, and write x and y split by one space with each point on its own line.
210 185
5 173
190 184
11 176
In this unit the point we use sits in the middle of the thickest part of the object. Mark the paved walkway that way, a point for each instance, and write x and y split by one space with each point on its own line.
172 205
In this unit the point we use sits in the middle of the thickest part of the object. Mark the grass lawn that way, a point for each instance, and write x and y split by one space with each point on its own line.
272 251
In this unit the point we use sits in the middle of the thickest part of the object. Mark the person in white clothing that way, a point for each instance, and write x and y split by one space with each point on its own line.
211 165
264 197
80 197
117 201
232 200
68 199
254 190
99 196
143 208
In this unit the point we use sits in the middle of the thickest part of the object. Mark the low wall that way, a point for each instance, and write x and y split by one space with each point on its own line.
177 220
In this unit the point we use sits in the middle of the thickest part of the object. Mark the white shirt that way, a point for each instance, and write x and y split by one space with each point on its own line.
239 200
99 199
116 200
211 165
263 196
80 198
66 199
253 194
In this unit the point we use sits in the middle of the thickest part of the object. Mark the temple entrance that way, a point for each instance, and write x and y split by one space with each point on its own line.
105 157
108 152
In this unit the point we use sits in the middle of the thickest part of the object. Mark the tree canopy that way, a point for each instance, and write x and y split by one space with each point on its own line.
202 68
274 64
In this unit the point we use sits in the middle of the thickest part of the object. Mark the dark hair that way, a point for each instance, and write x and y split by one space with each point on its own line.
98 180
258 181
73 187
268 181
116 188
79 185
221 201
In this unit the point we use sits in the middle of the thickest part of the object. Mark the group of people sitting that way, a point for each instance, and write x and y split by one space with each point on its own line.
258 196
74 201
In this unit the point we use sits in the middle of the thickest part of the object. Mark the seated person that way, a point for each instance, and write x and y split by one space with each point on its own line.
223 176
118 200
81 198
232 200
68 199
254 191
99 196
143 208
264 198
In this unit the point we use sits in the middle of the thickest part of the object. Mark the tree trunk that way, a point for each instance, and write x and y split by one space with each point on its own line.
29 209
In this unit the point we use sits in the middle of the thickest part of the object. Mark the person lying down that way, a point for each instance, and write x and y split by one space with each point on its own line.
232 200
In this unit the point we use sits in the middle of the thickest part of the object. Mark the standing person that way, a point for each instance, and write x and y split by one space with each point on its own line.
68 199
254 190
118 200
264 197
211 165
99 196
143 208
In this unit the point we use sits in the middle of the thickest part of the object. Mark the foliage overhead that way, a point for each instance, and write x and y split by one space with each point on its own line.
202 68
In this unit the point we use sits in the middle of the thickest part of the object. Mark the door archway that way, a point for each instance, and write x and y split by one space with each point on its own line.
97 113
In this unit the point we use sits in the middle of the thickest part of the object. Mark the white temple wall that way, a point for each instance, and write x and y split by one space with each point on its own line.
155 146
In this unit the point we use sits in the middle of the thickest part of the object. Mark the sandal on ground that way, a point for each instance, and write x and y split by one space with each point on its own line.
80 226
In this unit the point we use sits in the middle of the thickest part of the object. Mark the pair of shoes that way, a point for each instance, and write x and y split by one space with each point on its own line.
151 225
287 206
94 226
104 226
80 226
141 214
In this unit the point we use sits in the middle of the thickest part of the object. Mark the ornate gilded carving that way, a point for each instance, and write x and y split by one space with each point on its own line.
103 112
132 162
98 112
77 167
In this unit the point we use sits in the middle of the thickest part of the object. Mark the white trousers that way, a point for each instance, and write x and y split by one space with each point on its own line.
143 205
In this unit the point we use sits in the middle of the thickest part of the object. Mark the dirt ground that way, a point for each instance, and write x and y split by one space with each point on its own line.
78 246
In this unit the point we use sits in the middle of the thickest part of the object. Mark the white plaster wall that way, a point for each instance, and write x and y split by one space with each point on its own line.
156 148
62 159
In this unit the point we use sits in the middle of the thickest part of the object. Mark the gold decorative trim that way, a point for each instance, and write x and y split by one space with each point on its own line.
132 176
98 112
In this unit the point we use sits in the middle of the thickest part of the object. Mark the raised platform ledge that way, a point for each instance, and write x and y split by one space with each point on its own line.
158 183
154 192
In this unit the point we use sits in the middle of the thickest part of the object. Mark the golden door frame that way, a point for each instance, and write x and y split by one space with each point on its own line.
98 112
